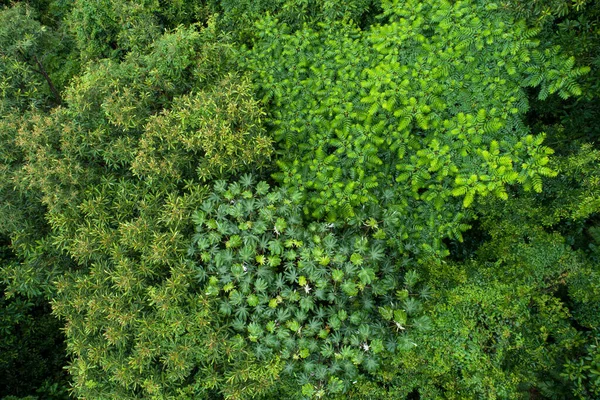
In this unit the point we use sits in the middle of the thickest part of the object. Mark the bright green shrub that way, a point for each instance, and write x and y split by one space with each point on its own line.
429 104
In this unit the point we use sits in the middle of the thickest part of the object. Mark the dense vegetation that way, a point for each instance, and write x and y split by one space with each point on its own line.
363 199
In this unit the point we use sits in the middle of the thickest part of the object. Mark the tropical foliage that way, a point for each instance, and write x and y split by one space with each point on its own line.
231 199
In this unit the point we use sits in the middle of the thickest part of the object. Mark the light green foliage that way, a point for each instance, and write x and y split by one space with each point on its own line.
216 124
431 103
332 303
22 219
118 111
14 204
140 328
119 169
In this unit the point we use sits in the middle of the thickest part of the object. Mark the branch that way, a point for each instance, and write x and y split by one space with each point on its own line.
45 75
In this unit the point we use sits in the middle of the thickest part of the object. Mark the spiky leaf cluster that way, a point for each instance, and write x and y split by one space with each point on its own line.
332 302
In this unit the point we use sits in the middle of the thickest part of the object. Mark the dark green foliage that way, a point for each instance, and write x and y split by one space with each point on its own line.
32 349
105 28
32 353
584 372
20 41
240 16
576 27
492 341
507 320
333 304
111 29
556 232
544 12
555 276
35 61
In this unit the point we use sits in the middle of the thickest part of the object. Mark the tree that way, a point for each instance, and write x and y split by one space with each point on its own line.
35 60
403 114
119 170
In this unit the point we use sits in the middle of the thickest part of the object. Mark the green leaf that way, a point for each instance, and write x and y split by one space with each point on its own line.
400 317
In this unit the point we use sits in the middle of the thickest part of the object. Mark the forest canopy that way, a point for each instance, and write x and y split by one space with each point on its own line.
362 199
